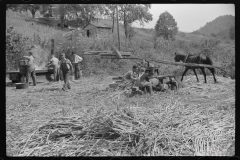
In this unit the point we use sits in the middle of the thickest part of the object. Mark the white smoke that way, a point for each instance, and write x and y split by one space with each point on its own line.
41 57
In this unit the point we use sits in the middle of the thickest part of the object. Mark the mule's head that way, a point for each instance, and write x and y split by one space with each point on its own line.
177 57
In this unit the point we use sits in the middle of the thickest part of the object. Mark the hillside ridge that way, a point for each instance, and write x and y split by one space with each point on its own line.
219 26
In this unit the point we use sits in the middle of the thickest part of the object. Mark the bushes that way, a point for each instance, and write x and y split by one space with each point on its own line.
16 47
74 41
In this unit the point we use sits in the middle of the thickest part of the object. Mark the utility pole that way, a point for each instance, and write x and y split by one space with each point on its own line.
52 46
118 28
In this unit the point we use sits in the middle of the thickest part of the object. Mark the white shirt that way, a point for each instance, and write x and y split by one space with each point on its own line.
54 61
30 61
77 59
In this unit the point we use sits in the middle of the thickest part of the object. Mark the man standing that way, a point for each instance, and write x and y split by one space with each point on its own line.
54 62
30 68
76 59
66 67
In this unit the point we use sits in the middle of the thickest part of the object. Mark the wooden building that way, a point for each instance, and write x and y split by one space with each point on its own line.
97 30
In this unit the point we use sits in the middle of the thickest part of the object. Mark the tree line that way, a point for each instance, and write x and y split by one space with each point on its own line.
17 44
166 25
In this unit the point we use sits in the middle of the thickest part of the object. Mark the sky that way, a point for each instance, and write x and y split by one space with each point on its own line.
189 17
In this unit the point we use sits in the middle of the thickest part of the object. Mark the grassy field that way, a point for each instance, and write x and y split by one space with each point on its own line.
93 120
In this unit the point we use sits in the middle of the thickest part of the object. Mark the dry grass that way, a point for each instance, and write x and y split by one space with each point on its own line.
91 120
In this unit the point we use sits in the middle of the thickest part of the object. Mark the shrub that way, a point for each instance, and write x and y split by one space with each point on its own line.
16 47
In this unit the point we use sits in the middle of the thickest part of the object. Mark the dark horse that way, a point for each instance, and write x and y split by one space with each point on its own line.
199 59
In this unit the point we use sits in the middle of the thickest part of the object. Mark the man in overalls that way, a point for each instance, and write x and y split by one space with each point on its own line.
76 59
66 68
30 68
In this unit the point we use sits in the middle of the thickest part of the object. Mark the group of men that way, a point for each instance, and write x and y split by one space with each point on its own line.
61 69
144 78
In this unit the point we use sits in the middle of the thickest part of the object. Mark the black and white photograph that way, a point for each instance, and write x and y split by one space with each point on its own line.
109 80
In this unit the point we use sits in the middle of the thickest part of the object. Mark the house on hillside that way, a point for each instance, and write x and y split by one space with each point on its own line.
97 29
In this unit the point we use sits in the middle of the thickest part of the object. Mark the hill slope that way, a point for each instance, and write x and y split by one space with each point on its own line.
219 26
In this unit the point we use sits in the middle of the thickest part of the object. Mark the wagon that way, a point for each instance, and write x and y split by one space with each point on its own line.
17 76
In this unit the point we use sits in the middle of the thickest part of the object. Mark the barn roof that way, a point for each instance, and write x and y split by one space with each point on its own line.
98 25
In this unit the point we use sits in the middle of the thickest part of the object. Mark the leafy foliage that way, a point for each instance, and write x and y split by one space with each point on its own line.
13 7
84 13
129 13
16 47
232 33
33 8
166 26
110 11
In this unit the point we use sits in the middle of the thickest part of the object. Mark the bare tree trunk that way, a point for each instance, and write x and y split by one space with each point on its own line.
33 11
51 11
125 23
113 21
77 19
118 29
62 20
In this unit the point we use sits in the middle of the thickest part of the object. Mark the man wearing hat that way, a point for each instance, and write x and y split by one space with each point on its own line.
76 59
66 67
30 68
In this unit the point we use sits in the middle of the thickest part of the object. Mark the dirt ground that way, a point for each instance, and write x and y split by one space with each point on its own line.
27 109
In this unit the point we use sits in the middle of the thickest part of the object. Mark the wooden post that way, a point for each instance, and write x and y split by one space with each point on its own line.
118 29
52 46
174 63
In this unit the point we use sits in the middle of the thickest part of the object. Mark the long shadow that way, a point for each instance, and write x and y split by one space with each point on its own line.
10 84
41 22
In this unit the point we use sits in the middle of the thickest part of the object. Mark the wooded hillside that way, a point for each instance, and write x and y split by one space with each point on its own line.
219 26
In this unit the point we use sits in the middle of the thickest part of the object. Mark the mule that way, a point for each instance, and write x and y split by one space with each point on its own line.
198 59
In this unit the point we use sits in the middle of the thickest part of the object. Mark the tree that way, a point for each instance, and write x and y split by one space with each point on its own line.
46 10
90 12
110 11
83 12
166 26
16 46
232 33
62 8
130 13
13 7
33 8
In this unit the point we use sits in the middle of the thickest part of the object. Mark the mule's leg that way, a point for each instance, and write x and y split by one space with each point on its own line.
204 74
195 74
186 69
213 73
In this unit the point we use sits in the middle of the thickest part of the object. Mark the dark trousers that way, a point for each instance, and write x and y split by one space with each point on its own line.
55 74
76 70
60 74
66 78
31 72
